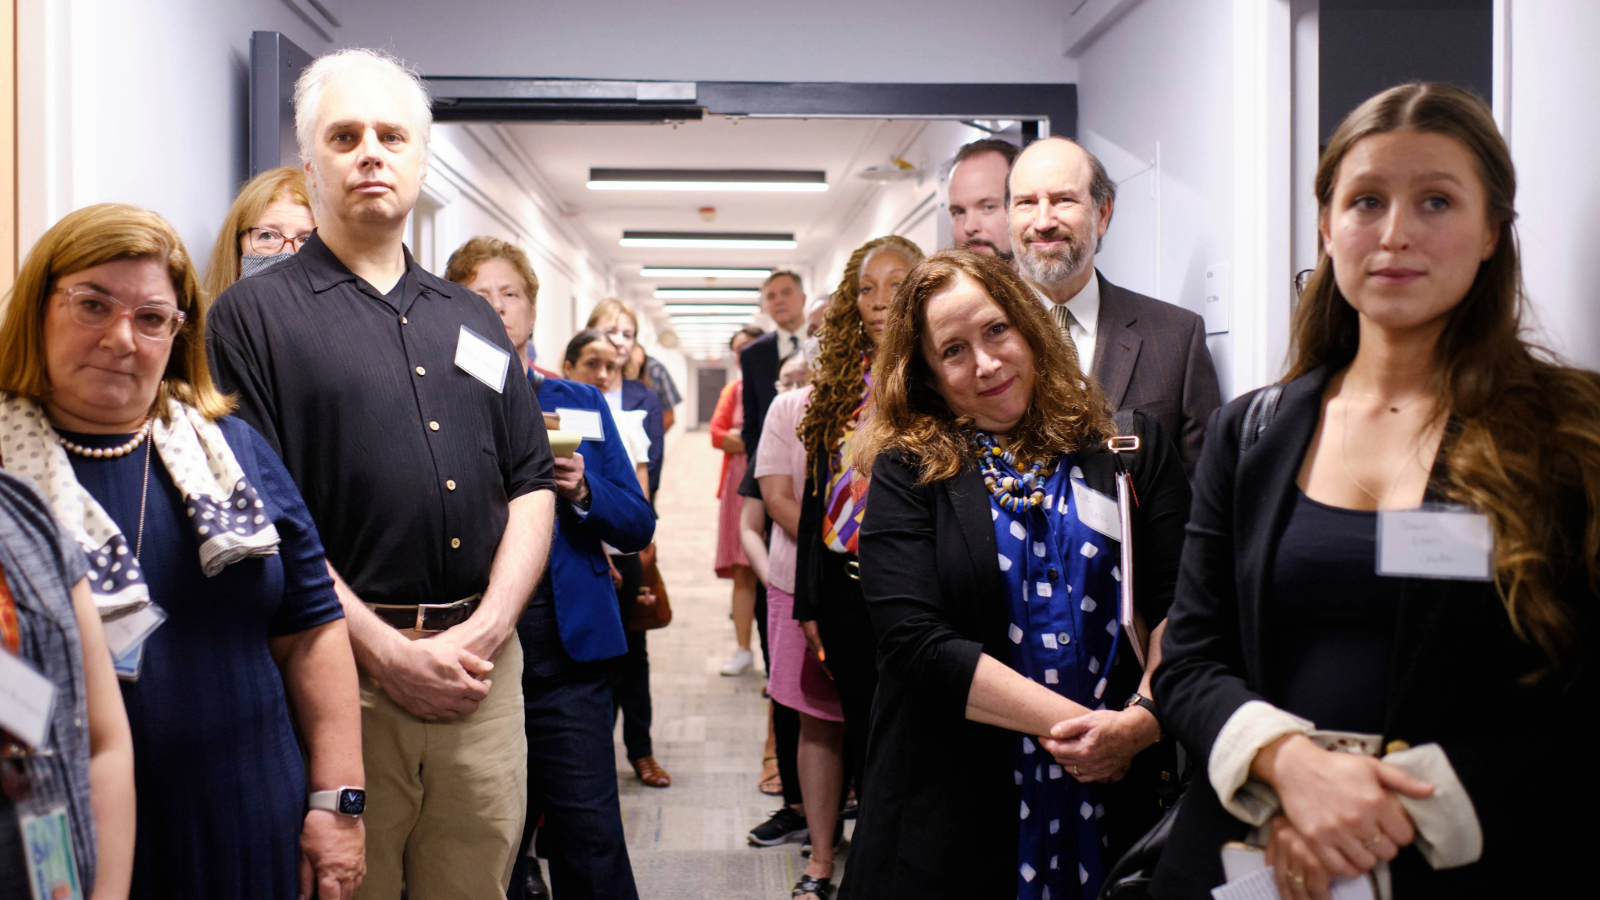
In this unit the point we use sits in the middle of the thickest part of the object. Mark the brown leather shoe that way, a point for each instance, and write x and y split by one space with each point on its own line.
651 773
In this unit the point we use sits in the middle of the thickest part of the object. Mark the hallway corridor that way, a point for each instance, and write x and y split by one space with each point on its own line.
687 842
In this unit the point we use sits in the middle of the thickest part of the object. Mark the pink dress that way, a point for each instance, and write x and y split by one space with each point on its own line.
729 417
797 679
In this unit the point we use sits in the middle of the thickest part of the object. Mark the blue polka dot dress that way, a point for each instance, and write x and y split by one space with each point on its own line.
1062 588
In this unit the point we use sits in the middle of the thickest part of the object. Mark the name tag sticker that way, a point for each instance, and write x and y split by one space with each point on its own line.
585 422
1097 511
1435 543
47 844
126 632
479 357
26 698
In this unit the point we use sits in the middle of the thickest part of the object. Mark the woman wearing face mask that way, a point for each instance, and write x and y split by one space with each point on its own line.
269 221
827 591
618 322
591 357
991 568
1413 408
731 561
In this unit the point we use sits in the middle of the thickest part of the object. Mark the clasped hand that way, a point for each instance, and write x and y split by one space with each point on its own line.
1341 814
436 678
1100 746
570 483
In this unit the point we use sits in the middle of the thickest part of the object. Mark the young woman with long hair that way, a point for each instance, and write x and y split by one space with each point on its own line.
1414 409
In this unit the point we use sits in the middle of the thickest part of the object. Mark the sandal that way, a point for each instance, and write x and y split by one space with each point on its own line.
812 887
651 773
770 783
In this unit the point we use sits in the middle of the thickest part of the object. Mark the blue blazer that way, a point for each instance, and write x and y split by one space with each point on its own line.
636 396
587 614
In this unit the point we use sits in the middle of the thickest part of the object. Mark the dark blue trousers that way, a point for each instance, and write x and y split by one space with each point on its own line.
572 774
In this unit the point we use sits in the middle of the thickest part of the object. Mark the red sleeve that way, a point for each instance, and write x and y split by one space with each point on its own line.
722 418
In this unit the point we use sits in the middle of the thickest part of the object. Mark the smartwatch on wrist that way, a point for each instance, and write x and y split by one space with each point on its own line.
346 801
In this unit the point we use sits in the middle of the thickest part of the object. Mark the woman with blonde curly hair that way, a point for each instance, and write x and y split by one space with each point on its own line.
991 569
1382 647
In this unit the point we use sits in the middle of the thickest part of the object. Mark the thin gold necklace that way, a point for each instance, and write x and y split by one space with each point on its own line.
1344 456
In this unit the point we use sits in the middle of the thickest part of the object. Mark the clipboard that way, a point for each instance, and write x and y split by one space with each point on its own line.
1127 499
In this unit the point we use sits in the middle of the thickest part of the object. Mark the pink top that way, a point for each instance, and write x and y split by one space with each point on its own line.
781 453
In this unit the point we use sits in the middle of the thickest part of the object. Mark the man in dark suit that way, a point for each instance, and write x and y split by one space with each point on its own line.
1145 354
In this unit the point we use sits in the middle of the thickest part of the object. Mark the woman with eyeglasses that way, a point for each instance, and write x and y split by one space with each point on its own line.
269 222
203 563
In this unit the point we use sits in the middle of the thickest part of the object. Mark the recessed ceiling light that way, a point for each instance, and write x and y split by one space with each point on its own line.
702 309
706 294
786 180
677 272
727 240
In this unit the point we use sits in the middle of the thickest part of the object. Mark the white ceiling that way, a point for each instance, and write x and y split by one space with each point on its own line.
564 154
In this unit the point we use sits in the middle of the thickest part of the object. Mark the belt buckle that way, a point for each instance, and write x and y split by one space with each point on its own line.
422 613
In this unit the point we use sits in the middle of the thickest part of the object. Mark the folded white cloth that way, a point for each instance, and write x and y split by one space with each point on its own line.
227 516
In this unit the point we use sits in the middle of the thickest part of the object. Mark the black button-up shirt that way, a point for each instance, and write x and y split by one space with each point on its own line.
407 462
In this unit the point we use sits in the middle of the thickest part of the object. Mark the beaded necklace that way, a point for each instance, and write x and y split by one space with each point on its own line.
1012 492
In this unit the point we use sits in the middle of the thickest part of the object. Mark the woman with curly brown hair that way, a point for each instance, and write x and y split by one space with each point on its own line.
991 567
1395 553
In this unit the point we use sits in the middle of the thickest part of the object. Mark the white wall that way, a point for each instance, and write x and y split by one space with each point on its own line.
1553 122
142 103
1000 41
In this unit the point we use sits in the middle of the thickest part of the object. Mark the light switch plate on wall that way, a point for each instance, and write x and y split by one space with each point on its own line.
1218 310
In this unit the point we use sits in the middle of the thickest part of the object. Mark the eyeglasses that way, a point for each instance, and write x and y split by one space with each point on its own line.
93 309
266 242
1300 279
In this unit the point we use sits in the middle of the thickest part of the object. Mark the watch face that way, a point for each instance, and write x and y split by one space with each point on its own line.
352 801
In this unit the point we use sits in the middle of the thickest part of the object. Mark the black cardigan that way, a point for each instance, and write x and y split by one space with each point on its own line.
940 815
1457 662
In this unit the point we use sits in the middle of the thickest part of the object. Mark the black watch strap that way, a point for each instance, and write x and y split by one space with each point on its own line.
1149 705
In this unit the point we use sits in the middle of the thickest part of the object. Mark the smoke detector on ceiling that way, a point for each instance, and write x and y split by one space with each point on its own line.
896 169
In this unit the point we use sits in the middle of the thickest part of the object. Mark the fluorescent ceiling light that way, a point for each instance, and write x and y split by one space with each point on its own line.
676 272
707 294
717 309
710 320
726 240
708 327
784 180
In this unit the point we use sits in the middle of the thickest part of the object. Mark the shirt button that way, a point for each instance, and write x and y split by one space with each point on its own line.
1063 639
1053 574
404 320
421 371
450 484
433 426
455 543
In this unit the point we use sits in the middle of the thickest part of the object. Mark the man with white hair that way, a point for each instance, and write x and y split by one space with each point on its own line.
1145 354
393 398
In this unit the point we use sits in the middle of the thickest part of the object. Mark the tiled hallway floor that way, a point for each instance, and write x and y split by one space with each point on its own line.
687 842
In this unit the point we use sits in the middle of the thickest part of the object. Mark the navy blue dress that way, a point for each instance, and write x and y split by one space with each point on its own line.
217 767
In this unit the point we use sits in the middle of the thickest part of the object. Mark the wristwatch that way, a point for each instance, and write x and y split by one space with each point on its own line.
346 801
1149 705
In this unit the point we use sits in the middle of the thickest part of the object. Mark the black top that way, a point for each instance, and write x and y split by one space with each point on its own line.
939 816
1331 618
1457 676
406 462
758 366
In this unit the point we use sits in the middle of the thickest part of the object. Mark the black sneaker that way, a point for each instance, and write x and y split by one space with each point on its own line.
838 840
850 808
785 825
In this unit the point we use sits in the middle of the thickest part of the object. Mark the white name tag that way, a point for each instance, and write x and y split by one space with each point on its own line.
127 632
25 700
1435 543
1097 511
585 422
480 358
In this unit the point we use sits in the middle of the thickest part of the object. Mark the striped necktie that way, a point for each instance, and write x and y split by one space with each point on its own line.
1064 321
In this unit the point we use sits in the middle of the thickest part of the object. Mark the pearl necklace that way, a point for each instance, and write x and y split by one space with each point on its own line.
107 452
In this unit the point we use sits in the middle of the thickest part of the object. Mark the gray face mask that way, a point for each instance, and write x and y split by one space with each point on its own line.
255 265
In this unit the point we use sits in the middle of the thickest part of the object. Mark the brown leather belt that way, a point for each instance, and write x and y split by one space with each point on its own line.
430 617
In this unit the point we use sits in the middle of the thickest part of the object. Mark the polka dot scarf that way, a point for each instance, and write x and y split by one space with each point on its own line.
228 517
1062 587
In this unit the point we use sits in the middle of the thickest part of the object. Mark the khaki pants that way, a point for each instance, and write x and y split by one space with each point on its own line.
445 801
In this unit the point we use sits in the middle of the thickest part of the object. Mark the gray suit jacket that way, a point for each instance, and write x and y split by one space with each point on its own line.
1152 356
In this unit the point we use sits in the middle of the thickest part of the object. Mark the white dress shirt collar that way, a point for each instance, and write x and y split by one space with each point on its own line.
786 347
1085 309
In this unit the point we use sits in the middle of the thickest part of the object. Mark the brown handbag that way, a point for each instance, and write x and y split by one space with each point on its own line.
658 614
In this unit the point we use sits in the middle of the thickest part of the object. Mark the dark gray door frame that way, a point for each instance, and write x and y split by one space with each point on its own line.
275 63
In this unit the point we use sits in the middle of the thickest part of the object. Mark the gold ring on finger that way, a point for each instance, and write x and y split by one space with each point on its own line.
1373 842
1076 773
1297 878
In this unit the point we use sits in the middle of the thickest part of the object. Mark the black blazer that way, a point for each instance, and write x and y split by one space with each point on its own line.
939 818
1152 356
1519 750
758 365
